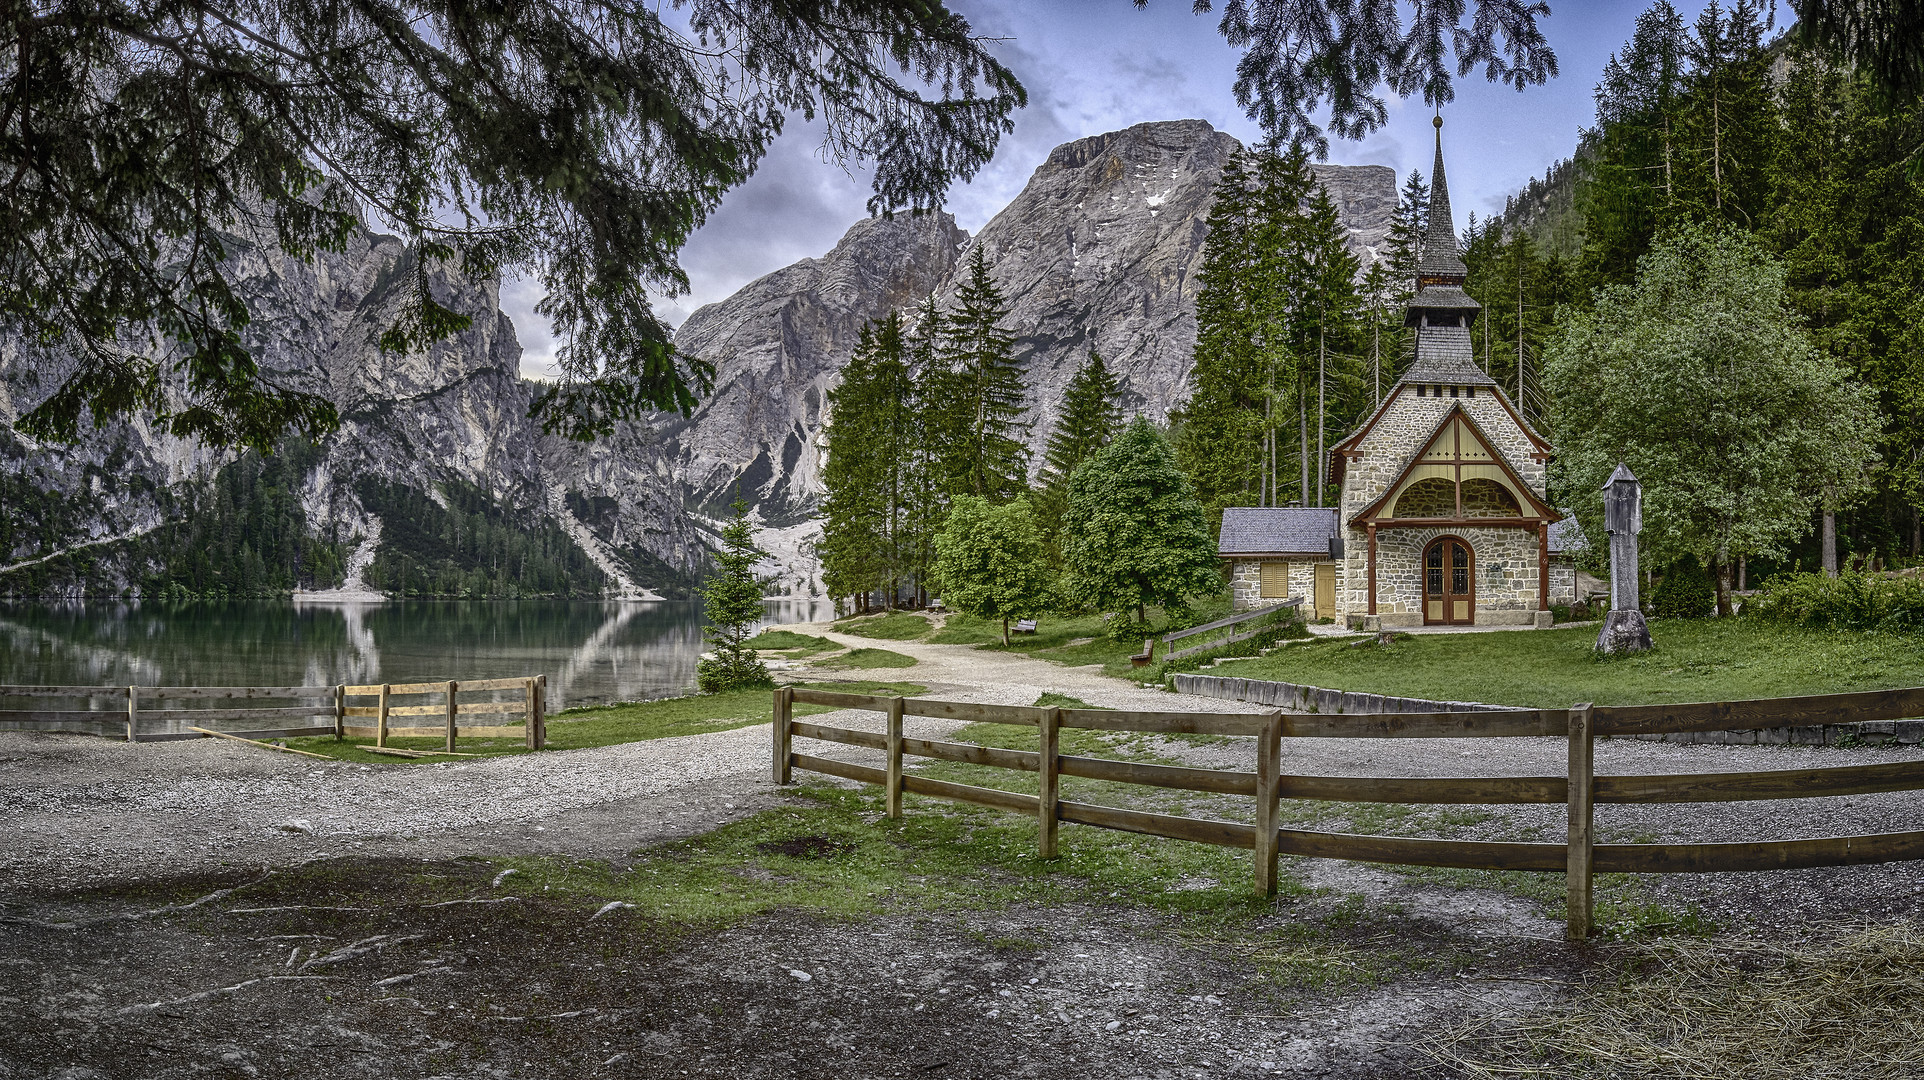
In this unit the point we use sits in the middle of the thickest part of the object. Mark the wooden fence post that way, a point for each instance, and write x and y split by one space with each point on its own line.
895 758
1046 805
453 712
784 712
540 711
1269 768
380 723
340 712
1582 840
527 714
133 712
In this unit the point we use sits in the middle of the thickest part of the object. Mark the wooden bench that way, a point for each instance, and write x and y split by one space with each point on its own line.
1146 656
1024 626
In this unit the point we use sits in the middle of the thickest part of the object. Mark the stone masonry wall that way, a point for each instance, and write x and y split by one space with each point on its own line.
1506 559
1246 583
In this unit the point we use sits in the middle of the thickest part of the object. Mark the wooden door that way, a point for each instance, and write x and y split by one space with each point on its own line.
1449 582
1325 590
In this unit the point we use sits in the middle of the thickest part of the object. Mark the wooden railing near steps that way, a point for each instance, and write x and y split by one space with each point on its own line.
1578 858
1288 609
155 713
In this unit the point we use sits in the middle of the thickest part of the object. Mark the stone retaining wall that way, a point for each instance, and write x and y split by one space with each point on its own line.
1297 697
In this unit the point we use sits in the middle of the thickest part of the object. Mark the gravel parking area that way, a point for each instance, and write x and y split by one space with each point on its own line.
158 918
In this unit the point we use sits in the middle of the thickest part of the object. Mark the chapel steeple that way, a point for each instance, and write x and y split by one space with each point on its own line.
1442 263
1440 311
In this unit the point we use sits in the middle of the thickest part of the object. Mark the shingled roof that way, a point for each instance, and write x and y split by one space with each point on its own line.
1566 536
1277 530
1443 355
1440 255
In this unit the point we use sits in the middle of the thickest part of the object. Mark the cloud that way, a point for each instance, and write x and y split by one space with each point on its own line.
518 298
1093 66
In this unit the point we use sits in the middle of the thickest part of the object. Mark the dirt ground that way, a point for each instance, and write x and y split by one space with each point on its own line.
387 967
207 910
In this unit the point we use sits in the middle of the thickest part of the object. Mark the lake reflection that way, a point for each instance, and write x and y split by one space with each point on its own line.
592 652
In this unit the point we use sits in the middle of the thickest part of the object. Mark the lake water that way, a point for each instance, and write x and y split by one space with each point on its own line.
592 652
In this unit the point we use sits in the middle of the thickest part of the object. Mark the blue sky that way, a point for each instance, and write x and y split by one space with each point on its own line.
1092 66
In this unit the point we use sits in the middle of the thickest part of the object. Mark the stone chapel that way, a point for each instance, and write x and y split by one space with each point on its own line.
1444 516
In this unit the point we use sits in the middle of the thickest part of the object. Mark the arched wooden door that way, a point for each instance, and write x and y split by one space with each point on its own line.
1449 582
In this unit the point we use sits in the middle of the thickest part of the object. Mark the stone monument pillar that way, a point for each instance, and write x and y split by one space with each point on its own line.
1624 629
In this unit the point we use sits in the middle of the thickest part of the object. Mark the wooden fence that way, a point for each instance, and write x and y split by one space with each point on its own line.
1241 628
159 713
1578 858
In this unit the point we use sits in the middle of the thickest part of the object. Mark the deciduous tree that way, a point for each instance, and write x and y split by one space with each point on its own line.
991 562
1700 378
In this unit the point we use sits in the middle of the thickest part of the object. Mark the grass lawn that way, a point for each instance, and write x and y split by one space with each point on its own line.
1074 640
894 626
1694 660
867 658
790 643
606 725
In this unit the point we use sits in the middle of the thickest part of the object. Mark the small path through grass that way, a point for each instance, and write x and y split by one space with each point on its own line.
999 677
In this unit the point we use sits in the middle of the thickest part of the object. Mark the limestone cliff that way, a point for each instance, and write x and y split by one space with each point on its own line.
1100 249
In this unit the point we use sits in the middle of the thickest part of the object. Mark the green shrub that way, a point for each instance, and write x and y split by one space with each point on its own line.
1685 592
1849 601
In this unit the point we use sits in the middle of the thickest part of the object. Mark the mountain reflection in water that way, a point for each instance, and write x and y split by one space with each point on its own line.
592 652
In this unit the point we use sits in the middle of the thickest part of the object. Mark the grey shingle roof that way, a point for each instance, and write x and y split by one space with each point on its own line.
1440 256
1277 530
1566 536
1443 355
1444 298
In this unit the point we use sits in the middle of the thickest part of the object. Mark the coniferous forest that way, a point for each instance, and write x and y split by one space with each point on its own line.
1714 124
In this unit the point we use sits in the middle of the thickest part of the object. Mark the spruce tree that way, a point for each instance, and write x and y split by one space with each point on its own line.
932 439
1633 176
1728 117
1403 249
1408 224
1242 398
732 602
990 457
1382 321
1091 416
866 538
1324 327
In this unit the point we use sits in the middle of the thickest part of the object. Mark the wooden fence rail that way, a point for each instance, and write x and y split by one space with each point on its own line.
327 710
1261 616
1579 857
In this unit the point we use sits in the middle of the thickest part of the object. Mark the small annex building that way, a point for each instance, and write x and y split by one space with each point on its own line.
1444 516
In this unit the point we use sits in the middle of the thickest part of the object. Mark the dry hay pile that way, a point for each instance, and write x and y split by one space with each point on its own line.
1844 1008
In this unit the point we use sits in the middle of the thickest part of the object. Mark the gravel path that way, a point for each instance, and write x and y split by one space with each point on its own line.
423 968
83 810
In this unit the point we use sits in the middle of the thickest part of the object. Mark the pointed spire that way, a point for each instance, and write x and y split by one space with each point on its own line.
1440 255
